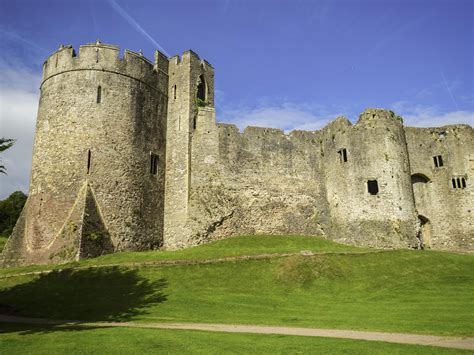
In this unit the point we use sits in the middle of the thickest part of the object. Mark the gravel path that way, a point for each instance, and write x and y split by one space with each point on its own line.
401 338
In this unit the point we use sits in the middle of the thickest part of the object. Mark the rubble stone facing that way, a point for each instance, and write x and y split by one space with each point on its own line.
93 167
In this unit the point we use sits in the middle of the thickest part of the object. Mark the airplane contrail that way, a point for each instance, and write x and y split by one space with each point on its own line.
449 90
16 37
136 25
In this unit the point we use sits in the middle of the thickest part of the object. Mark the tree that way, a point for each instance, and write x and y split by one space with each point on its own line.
5 143
10 210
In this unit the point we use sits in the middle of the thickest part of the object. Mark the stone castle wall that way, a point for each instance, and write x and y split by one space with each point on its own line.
265 181
448 211
128 156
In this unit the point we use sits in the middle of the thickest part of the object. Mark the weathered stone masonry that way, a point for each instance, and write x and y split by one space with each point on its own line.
128 156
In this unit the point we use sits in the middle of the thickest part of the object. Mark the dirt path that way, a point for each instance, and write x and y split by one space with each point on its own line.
401 338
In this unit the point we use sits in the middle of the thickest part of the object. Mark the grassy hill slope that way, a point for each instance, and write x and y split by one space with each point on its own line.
402 291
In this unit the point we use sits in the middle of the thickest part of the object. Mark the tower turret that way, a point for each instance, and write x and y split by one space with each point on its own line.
367 178
97 182
191 99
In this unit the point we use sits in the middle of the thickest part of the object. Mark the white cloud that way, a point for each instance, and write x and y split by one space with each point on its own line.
430 116
18 108
286 116
307 116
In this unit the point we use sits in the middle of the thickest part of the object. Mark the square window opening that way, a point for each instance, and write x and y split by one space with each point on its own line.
373 187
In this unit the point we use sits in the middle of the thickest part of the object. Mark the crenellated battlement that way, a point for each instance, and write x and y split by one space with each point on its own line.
189 56
105 57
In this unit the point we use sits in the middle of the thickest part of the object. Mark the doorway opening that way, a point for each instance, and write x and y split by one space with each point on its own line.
423 234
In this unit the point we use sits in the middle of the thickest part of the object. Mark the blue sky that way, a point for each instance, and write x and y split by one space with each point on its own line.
287 64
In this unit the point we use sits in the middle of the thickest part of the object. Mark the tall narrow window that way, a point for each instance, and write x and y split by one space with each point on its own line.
153 163
99 94
89 161
453 181
201 89
194 122
174 92
463 183
458 180
342 155
438 161
373 187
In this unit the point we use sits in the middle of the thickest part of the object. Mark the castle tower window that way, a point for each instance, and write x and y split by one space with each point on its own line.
89 161
373 187
194 122
438 161
201 89
174 92
99 94
459 183
153 163
342 155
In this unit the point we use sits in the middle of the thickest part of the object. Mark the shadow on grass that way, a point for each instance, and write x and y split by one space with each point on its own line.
88 295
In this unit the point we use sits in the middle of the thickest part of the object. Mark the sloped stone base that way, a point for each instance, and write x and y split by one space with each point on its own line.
83 235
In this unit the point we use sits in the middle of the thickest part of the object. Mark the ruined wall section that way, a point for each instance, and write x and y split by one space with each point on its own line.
100 117
375 150
446 210
260 181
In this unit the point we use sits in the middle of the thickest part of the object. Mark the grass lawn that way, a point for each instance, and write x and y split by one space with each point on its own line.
401 291
20 339
243 245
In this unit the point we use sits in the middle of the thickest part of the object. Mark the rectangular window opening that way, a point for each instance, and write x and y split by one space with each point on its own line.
99 94
373 187
440 160
459 183
174 92
89 158
342 155
153 163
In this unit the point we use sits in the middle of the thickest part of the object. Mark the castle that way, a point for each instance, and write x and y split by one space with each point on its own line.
128 156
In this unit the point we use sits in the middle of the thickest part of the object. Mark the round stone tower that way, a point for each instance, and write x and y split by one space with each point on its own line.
97 182
368 182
